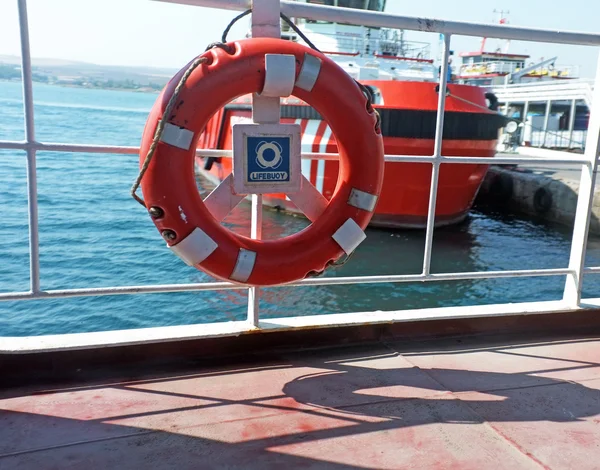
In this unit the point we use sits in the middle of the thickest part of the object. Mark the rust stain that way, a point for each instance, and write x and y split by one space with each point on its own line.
582 438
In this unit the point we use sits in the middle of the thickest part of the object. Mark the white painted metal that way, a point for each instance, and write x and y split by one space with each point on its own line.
37 344
555 159
546 119
524 119
69 342
256 224
326 281
32 203
386 20
437 153
574 282
219 4
266 21
256 233
539 92
572 112
222 200
309 200
265 109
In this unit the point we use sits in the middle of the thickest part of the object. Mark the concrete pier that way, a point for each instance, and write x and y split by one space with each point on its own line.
548 192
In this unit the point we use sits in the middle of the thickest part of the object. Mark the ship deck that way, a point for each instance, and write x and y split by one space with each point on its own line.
470 403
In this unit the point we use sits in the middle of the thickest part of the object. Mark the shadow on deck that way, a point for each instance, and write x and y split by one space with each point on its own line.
434 404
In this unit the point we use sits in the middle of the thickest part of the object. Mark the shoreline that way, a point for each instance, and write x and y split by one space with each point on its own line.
68 85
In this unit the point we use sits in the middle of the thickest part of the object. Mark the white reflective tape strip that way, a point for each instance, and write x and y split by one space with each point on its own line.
177 136
280 75
308 139
320 175
243 266
310 201
362 200
349 236
309 72
321 163
221 201
309 135
195 248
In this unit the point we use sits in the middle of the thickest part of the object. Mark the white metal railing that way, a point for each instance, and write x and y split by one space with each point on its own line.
549 91
573 272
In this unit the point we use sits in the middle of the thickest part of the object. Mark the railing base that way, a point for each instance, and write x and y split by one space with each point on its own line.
176 355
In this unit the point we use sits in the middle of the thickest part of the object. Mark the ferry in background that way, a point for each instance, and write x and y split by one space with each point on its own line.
402 79
551 100
498 67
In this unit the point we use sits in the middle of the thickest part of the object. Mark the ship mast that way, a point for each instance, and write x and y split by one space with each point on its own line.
501 20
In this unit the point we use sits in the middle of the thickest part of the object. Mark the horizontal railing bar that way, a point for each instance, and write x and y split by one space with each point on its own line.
98 339
395 278
327 281
96 148
592 270
11 145
119 290
430 25
126 150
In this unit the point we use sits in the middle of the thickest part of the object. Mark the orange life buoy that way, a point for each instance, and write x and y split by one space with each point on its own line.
169 185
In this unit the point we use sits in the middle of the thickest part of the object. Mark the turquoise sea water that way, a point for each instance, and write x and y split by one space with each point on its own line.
92 234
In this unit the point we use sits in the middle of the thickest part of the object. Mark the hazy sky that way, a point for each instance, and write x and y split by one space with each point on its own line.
143 32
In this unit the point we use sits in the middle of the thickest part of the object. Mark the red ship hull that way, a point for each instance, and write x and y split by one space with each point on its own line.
408 116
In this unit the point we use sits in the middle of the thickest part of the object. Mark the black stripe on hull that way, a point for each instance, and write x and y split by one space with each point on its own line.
413 123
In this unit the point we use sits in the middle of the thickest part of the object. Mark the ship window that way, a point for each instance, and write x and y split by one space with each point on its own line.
376 5
360 4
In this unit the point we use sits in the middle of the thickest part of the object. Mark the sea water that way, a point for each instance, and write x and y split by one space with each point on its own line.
93 234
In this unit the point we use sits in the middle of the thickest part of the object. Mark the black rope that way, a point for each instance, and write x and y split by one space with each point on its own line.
283 17
364 89
234 21
298 32
227 48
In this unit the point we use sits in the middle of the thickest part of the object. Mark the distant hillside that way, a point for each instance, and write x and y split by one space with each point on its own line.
65 72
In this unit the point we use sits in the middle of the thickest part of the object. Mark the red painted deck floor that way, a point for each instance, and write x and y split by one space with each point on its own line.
448 404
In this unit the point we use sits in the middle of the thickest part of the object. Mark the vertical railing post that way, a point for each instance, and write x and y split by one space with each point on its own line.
437 153
574 281
572 112
32 202
546 121
265 23
524 120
